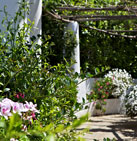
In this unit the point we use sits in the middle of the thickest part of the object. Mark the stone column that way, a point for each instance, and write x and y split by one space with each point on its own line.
74 27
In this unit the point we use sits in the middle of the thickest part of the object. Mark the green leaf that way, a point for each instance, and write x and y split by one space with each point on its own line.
78 122
6 89
2 124
1 83
51 137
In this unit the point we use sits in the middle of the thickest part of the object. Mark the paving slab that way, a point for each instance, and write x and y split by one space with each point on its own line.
118 127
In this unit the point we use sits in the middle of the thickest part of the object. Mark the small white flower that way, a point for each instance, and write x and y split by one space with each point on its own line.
121 79
13 139
131 101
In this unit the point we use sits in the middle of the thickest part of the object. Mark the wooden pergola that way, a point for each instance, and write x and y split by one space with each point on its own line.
81 18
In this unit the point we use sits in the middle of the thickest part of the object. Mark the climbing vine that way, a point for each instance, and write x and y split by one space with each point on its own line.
104 44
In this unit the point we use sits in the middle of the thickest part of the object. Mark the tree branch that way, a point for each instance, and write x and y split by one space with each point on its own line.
108 32
56 16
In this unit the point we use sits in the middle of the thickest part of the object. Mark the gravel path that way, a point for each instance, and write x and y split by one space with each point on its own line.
120 127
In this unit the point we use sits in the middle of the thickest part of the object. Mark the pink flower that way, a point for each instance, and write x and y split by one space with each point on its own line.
103 96
33 115
101 87
6 100
18 107
107 92
17 96
31 107
98 89
22 95
5 108
107 83
94 103
105 100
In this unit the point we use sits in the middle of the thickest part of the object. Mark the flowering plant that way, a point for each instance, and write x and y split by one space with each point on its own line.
131 101
8 107
121 79
102 89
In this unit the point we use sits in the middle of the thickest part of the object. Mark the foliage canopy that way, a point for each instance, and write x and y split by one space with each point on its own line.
100 52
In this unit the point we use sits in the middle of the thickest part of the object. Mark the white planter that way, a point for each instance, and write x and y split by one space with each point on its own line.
113 106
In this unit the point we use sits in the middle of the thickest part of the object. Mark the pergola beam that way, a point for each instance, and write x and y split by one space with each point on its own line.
99 17
112 32
122 31
96 16
118 8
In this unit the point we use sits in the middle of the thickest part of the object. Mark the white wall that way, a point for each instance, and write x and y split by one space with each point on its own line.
35 13
85 88
12 7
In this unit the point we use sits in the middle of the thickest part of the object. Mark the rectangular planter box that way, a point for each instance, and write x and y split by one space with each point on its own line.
112 107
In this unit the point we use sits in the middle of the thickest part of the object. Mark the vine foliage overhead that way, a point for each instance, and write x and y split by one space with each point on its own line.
107 31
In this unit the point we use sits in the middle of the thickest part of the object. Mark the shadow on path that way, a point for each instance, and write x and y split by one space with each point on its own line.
126 127
113 126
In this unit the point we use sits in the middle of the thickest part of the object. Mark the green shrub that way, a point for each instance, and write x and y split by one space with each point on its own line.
25 71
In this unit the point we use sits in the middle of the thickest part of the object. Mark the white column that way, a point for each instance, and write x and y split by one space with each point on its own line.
35 15
74 26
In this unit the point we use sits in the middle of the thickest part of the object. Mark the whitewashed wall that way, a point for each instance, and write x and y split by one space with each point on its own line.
85 88
12 7
35 13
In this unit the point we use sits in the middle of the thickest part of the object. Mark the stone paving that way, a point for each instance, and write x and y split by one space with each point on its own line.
119 127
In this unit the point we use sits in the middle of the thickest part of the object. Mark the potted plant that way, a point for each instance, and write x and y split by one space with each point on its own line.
102 90
107 91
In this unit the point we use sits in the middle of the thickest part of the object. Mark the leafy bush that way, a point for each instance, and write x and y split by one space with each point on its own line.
26 75
12 130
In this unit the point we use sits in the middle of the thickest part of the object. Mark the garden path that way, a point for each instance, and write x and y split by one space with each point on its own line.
120 127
